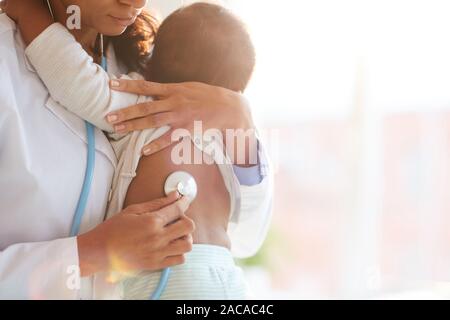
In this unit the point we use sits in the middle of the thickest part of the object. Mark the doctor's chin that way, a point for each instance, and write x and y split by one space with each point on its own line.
224 155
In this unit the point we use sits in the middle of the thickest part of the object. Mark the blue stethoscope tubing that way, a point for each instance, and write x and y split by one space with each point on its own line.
163 280
88 175
87 184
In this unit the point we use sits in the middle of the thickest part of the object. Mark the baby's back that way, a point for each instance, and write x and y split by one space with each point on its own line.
211 208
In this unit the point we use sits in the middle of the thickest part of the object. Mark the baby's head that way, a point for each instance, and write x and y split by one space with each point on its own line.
202 43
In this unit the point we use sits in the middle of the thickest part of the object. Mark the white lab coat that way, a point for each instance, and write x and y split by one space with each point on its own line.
42 164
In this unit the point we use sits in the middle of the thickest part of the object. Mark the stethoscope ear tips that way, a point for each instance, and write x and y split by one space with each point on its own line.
183 183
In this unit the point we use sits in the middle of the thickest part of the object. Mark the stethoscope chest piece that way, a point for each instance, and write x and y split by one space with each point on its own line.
182 182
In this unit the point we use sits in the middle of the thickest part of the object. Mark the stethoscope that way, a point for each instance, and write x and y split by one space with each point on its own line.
185 185
179 181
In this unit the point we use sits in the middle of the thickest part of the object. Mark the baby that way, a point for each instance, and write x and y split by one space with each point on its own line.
202 43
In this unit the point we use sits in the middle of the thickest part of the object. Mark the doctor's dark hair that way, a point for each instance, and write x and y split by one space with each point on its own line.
202 43
133 47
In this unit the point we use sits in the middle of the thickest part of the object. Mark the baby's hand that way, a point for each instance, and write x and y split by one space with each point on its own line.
12 8
32 16
22 10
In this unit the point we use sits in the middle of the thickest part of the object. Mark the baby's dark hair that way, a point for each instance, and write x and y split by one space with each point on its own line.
202 43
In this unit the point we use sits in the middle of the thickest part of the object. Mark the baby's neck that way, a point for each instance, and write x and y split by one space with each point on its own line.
86 36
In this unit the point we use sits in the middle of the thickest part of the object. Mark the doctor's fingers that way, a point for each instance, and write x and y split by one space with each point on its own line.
167 139
139 111
142 87
172 261
149 122
169 214
176 251
154 205
180 231
179 247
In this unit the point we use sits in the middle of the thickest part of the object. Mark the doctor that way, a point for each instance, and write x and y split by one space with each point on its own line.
42 163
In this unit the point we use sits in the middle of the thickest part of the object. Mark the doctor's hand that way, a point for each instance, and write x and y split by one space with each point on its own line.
179 105
149 236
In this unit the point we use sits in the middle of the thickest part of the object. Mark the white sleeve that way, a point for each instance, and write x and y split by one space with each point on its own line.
73 79
44 270
249 232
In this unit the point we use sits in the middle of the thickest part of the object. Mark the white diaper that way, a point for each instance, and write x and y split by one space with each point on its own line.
209 273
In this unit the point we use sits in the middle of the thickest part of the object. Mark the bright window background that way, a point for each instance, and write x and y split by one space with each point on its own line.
354 100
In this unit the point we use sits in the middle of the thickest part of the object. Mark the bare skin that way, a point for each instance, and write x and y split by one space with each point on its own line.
209 211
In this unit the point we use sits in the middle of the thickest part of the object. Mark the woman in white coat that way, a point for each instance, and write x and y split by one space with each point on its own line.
42 162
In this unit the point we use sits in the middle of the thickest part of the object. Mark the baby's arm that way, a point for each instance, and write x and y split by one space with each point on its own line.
72 77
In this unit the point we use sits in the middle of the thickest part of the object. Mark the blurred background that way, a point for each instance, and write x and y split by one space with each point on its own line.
353 99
